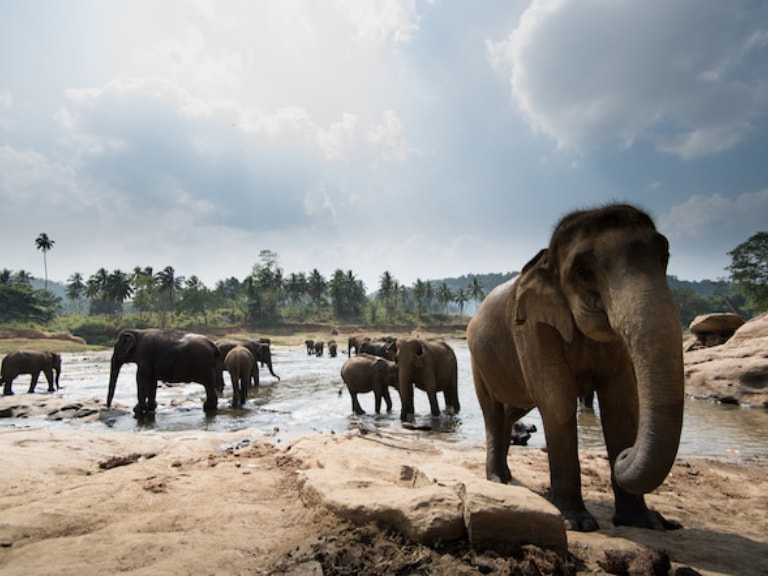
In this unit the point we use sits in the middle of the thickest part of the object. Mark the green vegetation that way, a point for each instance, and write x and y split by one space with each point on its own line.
96 307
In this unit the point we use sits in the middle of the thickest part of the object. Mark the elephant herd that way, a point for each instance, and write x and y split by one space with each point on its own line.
590 313
402 363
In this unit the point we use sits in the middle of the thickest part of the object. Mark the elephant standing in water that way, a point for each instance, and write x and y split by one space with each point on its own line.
30 362
365 373
240 364
167 355
431 366
593 311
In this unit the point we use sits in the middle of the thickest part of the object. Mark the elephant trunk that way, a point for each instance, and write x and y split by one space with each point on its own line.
649 324
113 373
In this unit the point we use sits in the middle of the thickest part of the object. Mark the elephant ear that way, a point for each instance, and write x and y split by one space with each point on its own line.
126 342
540 299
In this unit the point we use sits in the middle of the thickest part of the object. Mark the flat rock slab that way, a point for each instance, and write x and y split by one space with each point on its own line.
405 483
716 323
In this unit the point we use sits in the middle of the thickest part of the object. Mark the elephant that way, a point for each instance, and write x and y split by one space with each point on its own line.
319 346
310 344
263 355
354 343
333 348
592 311
431 366
225 346
366 373
241 365
30 362
377 348
167 355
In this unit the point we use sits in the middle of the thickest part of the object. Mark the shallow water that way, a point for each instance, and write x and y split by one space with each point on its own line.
307 399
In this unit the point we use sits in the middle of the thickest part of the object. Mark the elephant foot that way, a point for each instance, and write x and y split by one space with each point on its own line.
8 393
210 407
648 519
579 520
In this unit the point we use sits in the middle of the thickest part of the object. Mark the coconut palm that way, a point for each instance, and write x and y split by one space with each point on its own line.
44 243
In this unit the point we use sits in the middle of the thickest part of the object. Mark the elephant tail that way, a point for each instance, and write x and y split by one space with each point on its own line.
341 390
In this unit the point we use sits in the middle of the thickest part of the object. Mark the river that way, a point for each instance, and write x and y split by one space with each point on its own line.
307 399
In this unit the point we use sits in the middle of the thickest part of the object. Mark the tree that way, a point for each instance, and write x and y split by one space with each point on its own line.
749 269
461 299
168 282
419 291
44 243
444 295
388 294
76 289
475 291
317 287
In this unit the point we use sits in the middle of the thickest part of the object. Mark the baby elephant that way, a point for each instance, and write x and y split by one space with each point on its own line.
366 373
30 362
239 362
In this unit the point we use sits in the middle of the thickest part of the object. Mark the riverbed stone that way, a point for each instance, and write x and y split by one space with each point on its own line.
405 484
714 329
734 373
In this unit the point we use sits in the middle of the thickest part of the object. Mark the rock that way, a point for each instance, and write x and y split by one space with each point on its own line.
505 517
736 372
393 480
714 329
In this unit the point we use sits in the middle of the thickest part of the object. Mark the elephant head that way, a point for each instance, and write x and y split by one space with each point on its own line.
604 275
125 350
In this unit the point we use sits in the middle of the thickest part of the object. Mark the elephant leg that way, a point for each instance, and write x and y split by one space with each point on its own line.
356 408
497 436
33 382
619 431
7 386
211 399
49 377
560 431
387 399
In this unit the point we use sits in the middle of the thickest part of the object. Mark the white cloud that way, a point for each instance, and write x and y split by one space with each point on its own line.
706 217
683 76
6 99
387 135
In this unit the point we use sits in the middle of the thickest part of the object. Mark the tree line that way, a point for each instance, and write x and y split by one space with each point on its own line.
268 297
265 297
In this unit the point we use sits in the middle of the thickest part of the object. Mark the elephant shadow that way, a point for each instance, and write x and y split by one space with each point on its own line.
699 547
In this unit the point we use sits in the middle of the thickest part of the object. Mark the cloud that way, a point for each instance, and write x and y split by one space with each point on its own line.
691 80
701 217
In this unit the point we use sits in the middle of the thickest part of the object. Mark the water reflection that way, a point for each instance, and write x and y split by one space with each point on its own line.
307 399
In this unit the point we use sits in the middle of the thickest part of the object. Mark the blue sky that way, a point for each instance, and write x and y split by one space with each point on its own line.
427 139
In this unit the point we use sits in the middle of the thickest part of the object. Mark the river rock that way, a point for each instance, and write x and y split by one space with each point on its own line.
736 372
403 482
714 329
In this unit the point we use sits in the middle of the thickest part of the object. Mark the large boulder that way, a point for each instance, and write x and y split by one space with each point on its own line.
714 329
408 485
734 373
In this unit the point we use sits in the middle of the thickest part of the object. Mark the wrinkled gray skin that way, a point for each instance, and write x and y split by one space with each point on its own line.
240 364
168 355
30 362
431 366
366 373
594 311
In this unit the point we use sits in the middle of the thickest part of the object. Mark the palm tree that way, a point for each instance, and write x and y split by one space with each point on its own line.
44 243
444 295
387 293
76 289
475 291
461 299
167 281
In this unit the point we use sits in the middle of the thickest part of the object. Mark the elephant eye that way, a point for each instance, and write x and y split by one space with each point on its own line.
584 273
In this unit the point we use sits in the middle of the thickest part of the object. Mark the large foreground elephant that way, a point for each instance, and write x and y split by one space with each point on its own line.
431 366
593 311
167 355
366 373
30 362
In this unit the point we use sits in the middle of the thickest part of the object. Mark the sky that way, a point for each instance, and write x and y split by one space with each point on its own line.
428 139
